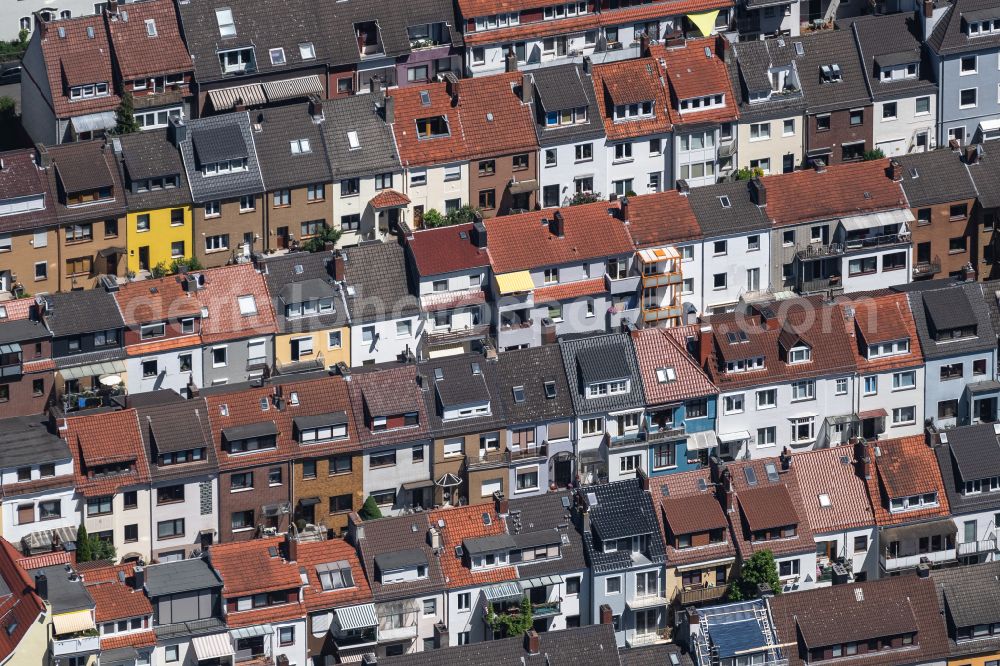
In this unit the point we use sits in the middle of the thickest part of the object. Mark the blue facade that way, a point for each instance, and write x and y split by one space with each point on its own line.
669 429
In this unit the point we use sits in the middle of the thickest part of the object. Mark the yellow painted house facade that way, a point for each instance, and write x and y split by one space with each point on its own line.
158 236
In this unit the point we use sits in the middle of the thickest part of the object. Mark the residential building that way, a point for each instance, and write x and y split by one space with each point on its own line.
158 222
29 631
26 365
903 88
224 174
957 342
986 177
727 626
569 126
29 232
451 268
959 593
963 47
112 480
608 401
123 614
310 311
559 273
625 553
384 314
679 424
391 417
183 470
72 631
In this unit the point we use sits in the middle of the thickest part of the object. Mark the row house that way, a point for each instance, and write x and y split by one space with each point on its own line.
558 273
984 212
451 270
28 223
112 480
608 400
969 625
77 70
123 614
72 631
26 364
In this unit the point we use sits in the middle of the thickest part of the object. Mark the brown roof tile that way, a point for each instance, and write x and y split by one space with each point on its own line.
75 59
661 218
106 438
116 601
902 467
823 472
247 567
628 82
656 348
20 177
444 250
681 485
311 555
140 55
694 513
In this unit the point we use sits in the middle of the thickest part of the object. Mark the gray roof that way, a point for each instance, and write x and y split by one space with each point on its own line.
623 510
969 594
21 330
26 440
295 277
216 136
749 70
86 311
385 538
281 168
66 595
889 40
934 177
565 87
488 544
259 429
376 152
459 386
152 155
986 175
741 216
544 520
80 165
956 306
461 383
377 272
949 36
969 445
598 365
320 420
531 368
976 450
829 47
593 645
177 425
655 655
182 576
401 559
188 630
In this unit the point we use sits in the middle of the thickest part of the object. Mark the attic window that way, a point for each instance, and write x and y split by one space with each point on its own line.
224 17
737 337
831 73
438 374
799 354
550 390
300 146
726 203
518 394
824 500
150 27
352 140
476 370
772 472
433 127
90 32
248 305
224 409
264 405
307 51
666 375
751 475
799 49
277 56
293 398
425 98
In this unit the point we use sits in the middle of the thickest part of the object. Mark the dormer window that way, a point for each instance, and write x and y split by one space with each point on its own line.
566 117
88 91
899 72
224 167
149 331
800 354
490 561
335 575
433 127
913 502
631 111
180 457
277 56
601 389
702 103
977 486
562 11
494 21
745 365
237 61
888 349
983 27
309 308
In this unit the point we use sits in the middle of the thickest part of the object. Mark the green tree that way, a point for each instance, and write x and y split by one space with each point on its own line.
83 551
318 242
463 215
746 173
871 155
513 623
125 122
759 568
585 198
188 263
432 218
102 550
370 510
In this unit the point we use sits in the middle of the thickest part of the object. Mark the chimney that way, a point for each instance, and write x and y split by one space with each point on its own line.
549 336
972 154
819 164
374 85
292 544
683 187
758 191
928 9
643 478
532 643
433 537
605 614
479 238
42 586
510 60
240 106
440 635
138 578
704 345
526 88
451 87
786 459
923 570
557 225
644 44
623 208
895 170
316 108
862 460
587 65
501 504
41 23
177 130
764 591
338 265
112 7
389 109
693 617
969 272
727 490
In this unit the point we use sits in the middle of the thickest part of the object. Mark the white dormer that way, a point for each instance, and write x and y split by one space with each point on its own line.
602 389
883 349
702 103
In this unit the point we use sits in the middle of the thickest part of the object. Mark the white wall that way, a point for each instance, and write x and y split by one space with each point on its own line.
737 260
775 148
897 136
388 344
358 204
394 476
189 510
69 509
568 169
639 166
437 190
881 278
888 398
120 517
169 375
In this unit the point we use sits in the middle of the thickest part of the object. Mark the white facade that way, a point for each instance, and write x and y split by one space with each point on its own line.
693 284
732 266
198 510
857 275
152 372
347 204
406 469
802 579
571 175
64 498
637 165
384 341
441 187
771 145
847 545
902 125
20 16
696 155
900 392
111 514
465 289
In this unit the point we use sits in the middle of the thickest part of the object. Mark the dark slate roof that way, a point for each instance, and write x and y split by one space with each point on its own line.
377 150
749 70
320 420
986 175
934 177
182 576
291 278
217 136
742 215
386 537
970 594
654 655
545 519
461 386
22 330
964 504
377 273
86 311
893 39
532 368
488 544
563 87
66 595
259 429
949 35
177 425
401 559
975 450
151 155
828 47
623 509
610 363
978 604
281 168
26 440
955 306
21 177
79 166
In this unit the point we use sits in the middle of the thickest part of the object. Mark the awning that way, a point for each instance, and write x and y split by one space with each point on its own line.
522 186
357 617
704 22
731 437
447 480
93 370
302 86
225 99
12 348
309 501
655 254
542 581
214 646
943 528
879 413
71 623
92 122
702 441
417 485
503 592
859 222
512 283
251 632
991 125
43 540
108 251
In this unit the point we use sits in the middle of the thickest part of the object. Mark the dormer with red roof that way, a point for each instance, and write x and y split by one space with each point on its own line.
122 611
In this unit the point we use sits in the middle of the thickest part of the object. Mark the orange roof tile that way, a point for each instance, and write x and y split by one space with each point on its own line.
224 286
42 365
46 560
247 567
115 601
162 345
156 300
631 81
22 606
389 198
310 555
81 55
661 218
463 523
824 472
883 318
139 54
278 613
567 290
533 30
691 73
140 639
651 10
413 150
904 466
19 308
106 438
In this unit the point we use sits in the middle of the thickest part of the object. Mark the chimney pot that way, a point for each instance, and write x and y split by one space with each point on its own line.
758 191
42 586
389 109
895 170
606 615
532 643
510 60
819 164
928 8
586 64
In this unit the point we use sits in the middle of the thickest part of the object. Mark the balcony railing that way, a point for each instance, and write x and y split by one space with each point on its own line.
546 609
819 284
523 453
646 601
488 459
456 335
977 547
352 641
635 639
621 441
823 250
393 634
703 595
512 325
78 645
302 365
925 268
662 279
911 561
624 285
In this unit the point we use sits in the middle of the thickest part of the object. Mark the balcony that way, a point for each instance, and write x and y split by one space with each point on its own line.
395 634
301 365
628 284
874 242
971 548
546 609
76 645
819 284
662 279
486 460
703 595
638 639
624 441
926 269
890 563
528 452
101 397
354 640
457 335
646 601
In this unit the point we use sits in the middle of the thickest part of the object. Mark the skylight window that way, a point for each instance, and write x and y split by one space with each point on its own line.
751 475
772 472
307 51
726 203
277 56
518 394
151 27
300 146
824 500
550 390
224 17
248 305
666 375
352 139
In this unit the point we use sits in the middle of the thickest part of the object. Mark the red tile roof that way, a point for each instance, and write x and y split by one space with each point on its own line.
768 504
463 523
693 513
311 555
444 250
46 560
140 639
522 242
414 151
77 59
662 218
568 290
843 189
389 198
691 74
140 55
116 601
656 348
247 567
19 308
155 300
668 488
106 438
220 295
473 8
902 467
631 81
823 472
883 318
22 606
